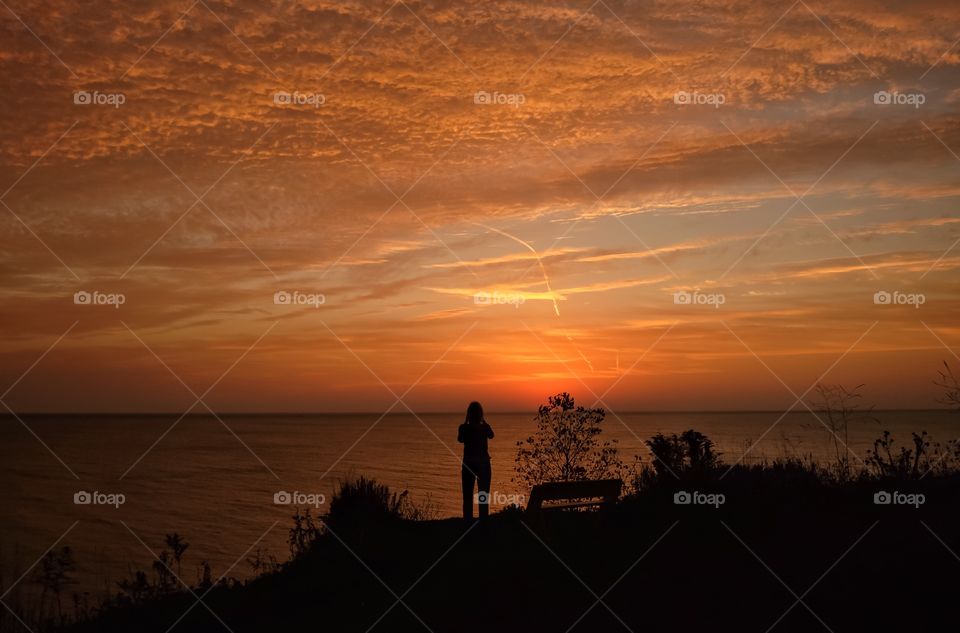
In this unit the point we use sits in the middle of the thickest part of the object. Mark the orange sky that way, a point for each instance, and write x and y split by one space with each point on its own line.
584 197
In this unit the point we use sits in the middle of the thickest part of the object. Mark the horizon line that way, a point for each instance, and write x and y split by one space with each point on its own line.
457 412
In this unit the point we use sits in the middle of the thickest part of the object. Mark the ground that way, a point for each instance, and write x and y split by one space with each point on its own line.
797 557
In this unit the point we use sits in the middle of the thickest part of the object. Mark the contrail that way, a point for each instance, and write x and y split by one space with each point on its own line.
577 347
546 279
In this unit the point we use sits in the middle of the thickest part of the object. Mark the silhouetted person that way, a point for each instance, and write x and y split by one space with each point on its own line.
473 434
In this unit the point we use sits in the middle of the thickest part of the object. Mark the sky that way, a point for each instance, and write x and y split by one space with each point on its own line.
335 206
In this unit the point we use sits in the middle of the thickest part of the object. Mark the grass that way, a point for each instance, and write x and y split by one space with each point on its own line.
728 566
671 567
783 523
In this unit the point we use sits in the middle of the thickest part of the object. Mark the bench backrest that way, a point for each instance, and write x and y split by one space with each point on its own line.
606 489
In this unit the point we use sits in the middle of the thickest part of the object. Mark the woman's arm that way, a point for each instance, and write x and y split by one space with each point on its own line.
488 430
460 434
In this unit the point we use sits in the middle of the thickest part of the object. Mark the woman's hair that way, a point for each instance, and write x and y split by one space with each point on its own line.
474 413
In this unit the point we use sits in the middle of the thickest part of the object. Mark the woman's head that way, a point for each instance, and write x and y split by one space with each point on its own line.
474 413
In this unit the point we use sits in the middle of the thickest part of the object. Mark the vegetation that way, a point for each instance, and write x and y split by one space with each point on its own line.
55 574
690 453
840 407
354 573
951 388
363 501
566 445
773 500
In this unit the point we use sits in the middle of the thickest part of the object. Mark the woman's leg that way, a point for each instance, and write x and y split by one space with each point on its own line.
484 475
467 479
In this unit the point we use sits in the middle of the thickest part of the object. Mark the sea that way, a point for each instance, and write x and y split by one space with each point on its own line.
112 486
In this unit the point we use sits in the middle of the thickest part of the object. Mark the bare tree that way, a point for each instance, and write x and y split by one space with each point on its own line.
841 406
951 388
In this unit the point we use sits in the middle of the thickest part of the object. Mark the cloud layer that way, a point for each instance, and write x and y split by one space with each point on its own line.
581 169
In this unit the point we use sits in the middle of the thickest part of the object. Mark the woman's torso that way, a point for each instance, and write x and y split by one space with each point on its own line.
474 441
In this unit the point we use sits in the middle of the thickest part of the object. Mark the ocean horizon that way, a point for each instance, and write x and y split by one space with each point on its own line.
214 480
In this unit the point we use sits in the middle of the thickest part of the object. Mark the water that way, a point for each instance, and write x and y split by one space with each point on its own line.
202 481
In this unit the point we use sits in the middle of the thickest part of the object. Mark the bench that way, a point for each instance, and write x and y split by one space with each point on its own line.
574 494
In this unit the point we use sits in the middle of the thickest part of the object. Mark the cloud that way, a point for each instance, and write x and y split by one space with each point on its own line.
373 196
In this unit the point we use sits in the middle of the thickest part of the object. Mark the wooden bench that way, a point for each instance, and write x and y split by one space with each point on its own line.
574 494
